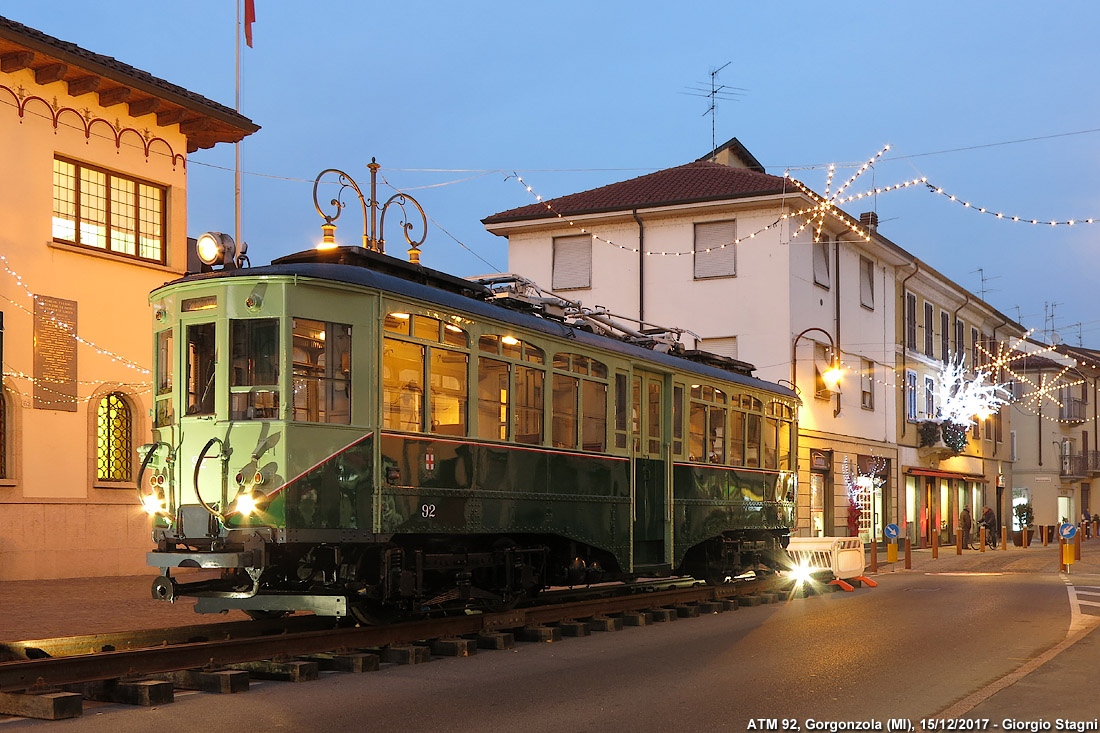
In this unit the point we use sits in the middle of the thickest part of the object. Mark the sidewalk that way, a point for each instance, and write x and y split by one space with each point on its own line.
36 609
1034 559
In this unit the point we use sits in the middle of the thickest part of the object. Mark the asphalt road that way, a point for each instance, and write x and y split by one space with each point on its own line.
913 647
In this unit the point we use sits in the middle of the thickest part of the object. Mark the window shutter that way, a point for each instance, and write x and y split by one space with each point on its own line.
572 262
720 261
821 263
725 346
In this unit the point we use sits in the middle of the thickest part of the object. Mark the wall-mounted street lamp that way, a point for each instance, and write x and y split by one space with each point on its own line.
830 376
372 238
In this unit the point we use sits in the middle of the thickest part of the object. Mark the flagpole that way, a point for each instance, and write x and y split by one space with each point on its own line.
237 146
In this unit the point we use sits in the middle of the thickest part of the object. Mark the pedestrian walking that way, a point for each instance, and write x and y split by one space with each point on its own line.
1086 521
965 523
989 519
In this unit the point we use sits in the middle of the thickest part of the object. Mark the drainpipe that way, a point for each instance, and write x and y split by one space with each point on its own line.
904 340
955 325
641 268
836 309
994 377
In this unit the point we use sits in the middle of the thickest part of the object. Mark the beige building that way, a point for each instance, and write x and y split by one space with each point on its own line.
1056 434
93 215
940 322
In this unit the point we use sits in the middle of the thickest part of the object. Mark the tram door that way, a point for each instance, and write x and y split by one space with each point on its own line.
648 399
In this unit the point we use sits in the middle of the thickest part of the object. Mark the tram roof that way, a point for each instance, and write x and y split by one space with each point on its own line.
470 304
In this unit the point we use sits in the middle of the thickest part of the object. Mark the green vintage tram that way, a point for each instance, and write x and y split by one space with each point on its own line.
344 432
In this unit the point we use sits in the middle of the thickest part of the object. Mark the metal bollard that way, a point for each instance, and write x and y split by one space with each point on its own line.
1004 537
1062 555
1043 534
981 538
1077 546
908 554
936 544
874 555
959 542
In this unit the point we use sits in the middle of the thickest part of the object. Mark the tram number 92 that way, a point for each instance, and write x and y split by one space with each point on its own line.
427 511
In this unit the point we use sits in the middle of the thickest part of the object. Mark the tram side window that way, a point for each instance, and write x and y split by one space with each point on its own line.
677 419
201 351
622 409
529 395
166 356
771 458
785 463
752 441
563 432
707 425
254 369
697 430
716 436
492 399
402 385
322 371
448 388
737 438
594 417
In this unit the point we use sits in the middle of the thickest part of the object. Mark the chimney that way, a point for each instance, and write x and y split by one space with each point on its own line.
869 220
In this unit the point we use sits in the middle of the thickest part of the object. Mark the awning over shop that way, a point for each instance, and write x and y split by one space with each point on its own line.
946 474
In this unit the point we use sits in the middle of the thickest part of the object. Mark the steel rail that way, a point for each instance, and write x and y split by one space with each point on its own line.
33 674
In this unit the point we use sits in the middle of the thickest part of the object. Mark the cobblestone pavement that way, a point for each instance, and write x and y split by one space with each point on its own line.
36 609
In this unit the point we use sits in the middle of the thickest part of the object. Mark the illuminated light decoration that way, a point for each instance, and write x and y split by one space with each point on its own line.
1000 215
962 399
861 488
690 252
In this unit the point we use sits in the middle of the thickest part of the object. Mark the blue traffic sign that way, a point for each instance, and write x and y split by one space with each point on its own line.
1066 531
892 531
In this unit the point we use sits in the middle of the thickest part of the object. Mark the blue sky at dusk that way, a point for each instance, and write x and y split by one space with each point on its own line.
453 97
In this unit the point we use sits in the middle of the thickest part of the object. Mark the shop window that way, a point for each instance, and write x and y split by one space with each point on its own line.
254 369
114 441
104 210
321 374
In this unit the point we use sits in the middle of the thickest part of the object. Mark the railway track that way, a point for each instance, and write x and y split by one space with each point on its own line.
50 678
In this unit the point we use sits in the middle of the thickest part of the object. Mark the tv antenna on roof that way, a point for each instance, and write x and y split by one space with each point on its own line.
715 92
985 279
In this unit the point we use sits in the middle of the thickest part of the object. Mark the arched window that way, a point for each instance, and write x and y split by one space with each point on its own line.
114 430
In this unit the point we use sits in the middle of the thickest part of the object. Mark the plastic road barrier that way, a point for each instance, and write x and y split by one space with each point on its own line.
842 556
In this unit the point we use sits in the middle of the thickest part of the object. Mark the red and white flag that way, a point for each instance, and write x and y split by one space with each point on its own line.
249 19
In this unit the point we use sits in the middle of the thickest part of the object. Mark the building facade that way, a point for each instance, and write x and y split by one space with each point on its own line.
94 212
942 471
1055 429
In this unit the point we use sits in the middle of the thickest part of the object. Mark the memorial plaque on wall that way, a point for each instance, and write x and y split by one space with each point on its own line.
54 354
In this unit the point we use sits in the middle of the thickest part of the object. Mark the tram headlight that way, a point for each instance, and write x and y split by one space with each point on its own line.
216 248
801 573
246 504
152 503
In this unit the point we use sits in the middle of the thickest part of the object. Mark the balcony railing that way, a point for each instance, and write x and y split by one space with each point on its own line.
1094 461
1075 466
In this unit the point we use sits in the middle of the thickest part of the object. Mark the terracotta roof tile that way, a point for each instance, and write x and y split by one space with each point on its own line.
690 183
